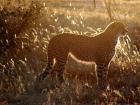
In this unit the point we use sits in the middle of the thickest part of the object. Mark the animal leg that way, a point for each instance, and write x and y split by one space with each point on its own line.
48 69
102 71
59 70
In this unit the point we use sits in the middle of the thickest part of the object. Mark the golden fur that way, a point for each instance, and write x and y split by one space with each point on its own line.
99 49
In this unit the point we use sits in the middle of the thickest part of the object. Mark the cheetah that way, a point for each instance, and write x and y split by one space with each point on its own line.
99 49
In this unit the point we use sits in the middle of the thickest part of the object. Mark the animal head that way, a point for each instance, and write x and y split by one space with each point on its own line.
118 28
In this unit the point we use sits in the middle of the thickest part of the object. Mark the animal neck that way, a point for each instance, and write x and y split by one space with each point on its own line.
112 37
116 39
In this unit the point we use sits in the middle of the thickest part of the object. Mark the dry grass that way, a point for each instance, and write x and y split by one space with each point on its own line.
25 33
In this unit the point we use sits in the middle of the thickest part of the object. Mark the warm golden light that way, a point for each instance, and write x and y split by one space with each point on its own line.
28 26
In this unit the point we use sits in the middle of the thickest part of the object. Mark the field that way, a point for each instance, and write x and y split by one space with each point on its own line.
26 28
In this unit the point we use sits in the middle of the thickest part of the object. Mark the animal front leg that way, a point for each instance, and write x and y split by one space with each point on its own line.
102 71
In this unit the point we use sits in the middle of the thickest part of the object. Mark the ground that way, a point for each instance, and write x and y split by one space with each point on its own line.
35 25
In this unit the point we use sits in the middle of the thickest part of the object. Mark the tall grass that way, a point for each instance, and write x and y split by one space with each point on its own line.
25 32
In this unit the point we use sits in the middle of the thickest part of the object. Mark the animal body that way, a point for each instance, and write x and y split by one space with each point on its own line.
99 49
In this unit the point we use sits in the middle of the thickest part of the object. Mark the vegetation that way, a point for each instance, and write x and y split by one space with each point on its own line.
25 30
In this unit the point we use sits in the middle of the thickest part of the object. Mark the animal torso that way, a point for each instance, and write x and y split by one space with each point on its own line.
82 47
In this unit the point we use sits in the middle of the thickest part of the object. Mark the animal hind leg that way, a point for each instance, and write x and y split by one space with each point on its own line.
48 69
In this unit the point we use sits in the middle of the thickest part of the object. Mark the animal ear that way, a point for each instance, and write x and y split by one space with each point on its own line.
115 22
